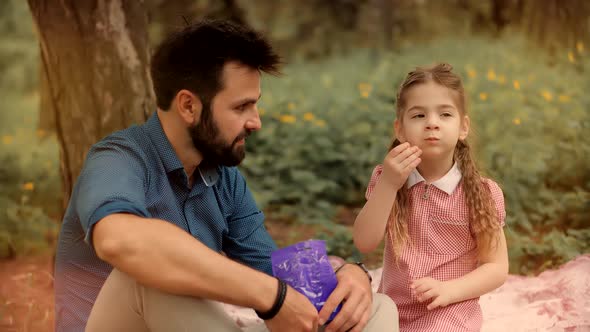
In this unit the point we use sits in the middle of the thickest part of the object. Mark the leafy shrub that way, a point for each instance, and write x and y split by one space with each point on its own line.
326 125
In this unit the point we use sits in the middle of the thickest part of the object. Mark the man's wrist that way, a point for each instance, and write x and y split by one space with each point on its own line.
359 265
278 302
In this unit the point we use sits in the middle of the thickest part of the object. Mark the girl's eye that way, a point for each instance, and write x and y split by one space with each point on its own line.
447 114
417 116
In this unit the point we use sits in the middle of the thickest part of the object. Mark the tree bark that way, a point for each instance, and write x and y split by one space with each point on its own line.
95 75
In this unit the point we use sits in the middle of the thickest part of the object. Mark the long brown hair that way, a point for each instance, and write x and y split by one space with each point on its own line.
483 217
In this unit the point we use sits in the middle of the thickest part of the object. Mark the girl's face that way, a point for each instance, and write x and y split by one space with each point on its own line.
432 121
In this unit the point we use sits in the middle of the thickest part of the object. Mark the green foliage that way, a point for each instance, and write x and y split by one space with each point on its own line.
339 243
24 229
29 162
326 125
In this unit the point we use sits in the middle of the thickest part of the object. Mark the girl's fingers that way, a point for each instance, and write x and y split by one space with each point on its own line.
395 151
427 295
410 159
434 304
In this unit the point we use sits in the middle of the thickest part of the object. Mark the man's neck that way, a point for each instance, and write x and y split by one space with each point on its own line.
181 142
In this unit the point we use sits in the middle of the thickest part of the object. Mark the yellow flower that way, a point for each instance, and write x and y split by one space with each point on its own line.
516 85
570 57
501 79
320 123
291 106
483 96
261 111
564 98
471 73
365 89
308 116
516 121
29 186
7 139
580 47
491 75
41 133
287 118
547 95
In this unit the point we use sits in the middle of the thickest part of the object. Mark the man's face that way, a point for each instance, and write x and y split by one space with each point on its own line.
221 134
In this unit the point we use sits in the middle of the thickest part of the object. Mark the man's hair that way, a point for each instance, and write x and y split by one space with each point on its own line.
193 59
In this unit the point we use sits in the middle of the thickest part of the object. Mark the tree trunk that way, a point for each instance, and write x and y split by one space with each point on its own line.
94 56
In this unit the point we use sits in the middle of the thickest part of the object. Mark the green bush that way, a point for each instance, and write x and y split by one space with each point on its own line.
326 125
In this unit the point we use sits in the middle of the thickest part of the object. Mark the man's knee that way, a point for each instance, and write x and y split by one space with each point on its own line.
385 303
385 316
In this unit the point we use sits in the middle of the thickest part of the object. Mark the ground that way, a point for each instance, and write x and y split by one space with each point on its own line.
26 294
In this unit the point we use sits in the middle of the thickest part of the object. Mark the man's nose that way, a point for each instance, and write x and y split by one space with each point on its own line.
254 123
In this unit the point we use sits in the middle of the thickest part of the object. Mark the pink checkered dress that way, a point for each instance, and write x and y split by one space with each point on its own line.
443 248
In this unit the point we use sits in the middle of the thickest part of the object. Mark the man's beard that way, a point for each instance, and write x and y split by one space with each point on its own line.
206 138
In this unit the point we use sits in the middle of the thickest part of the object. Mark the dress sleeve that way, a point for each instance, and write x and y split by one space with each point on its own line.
498 198
373 182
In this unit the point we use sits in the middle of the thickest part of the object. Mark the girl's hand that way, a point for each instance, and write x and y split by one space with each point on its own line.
439 292
399 163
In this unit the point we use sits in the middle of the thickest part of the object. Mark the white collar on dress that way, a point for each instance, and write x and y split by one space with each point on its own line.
447 183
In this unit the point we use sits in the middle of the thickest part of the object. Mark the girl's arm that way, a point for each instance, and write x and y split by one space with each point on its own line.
489 275
369 226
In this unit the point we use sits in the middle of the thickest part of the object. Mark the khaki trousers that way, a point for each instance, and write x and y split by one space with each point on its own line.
125 305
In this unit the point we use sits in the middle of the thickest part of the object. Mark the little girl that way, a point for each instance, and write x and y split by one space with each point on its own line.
445 245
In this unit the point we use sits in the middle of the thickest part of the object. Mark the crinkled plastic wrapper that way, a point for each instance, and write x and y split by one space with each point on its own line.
305 267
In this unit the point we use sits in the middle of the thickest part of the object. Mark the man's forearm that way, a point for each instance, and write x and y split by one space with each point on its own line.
480 281
160 255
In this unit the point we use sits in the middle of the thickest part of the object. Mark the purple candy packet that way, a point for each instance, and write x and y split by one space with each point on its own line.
305 267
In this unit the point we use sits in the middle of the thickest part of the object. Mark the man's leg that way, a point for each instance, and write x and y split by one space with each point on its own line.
384 317
125 305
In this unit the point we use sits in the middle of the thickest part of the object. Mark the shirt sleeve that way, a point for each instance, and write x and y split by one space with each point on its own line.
248 240
373 182
112 181
498 198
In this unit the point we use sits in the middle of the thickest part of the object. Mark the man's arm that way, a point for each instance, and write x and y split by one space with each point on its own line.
110 201
163 256
160 255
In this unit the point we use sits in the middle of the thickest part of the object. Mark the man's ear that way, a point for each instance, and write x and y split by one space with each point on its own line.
464 130
399 133
188 106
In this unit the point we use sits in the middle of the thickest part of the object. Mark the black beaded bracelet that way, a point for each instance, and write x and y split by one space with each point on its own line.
276 307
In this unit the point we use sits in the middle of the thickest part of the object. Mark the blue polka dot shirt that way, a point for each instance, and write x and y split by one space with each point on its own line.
137 171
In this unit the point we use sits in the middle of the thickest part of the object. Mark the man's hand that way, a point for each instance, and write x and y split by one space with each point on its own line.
399 163
439 292
354 289
297 314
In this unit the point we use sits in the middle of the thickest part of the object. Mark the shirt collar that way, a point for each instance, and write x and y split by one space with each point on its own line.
447 183
153 127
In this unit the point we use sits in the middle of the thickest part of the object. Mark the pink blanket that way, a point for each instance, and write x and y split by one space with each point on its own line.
556 300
